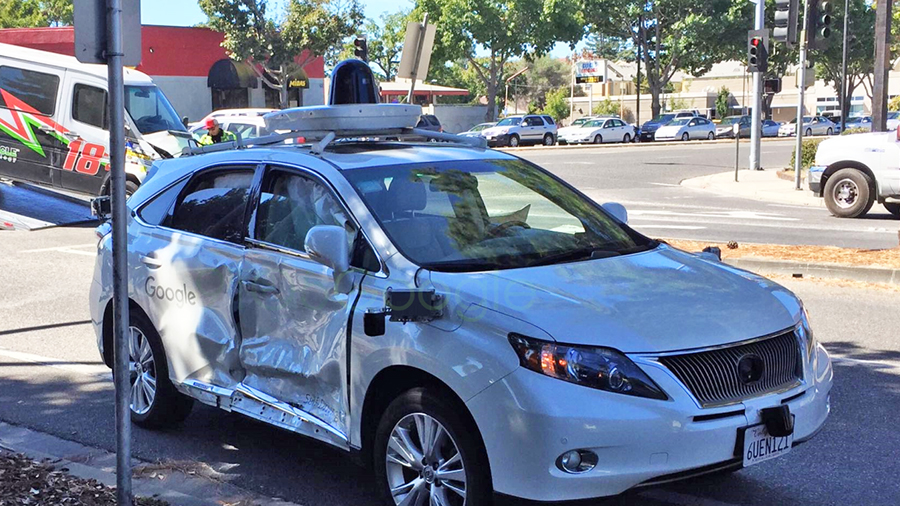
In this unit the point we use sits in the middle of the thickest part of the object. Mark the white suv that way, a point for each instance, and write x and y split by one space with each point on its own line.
514 131
462 319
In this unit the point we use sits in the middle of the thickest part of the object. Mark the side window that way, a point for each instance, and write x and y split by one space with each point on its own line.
156 209
548 120
89 106
36 89
693 123
213 205
291 204
245 130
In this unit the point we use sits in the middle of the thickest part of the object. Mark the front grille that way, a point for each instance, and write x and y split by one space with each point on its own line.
712 376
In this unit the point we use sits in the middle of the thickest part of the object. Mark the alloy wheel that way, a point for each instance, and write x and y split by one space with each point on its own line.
142 369
424 465
846 192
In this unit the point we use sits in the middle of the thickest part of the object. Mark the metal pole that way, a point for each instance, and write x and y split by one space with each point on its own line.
737 153
756 120
882 66
412 85
506 100
590 99
572 96
844 90
798 148
637 106
121 331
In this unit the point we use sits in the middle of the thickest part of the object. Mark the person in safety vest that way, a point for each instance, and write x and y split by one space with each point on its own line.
215 134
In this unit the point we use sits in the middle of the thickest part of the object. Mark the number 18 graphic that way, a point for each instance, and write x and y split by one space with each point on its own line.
84 157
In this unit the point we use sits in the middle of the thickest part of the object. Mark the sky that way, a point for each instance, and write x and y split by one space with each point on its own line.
188 13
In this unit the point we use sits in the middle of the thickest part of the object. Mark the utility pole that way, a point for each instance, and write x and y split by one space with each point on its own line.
637 106
756 121
798 150
882 65
844 90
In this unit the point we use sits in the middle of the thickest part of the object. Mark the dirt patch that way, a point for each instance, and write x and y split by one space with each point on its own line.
25 482
889 258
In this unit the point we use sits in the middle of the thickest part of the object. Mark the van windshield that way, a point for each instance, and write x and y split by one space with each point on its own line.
150 110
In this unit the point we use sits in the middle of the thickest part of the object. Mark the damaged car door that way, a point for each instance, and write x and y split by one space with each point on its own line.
293 321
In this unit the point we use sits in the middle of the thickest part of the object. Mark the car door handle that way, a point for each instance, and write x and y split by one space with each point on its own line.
151 261
253 286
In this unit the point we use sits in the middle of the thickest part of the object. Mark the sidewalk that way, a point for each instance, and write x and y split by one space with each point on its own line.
764 185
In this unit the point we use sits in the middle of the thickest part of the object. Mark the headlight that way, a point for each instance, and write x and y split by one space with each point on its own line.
806 334
504 131
601 368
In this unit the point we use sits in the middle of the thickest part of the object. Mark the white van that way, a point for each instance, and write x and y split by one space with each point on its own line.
54 122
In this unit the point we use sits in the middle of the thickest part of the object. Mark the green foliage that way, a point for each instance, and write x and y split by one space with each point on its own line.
606 108
556 104
544 74
851 131
723 102
894 104
860 63
252 33
35 13
678 103
385 39
810 146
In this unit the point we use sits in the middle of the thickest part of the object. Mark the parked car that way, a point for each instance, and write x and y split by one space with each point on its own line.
598 131
245 126
853 172
54 125
648 129
812 125
574 126
725 128
859 122
513 131
478 130
770 128
460 319
685 129
429 122
251 112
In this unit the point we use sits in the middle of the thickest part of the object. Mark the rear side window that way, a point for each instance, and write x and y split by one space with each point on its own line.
36 89
548 119
213 205
155 211
89 106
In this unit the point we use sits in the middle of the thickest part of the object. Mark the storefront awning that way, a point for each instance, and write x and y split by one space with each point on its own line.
228 74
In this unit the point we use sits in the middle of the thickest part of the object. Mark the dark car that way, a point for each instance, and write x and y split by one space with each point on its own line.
429 122
648 129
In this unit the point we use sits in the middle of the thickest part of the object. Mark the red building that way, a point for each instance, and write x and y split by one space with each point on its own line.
191 67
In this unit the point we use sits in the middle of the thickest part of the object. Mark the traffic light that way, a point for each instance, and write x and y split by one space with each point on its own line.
773 86
786 15
361 48
819 24
757 53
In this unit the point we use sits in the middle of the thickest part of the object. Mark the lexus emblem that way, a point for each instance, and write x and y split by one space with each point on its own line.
750 368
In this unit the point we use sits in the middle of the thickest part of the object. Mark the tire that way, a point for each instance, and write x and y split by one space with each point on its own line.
421 407
808 132
829 132
685 137
626 139
710 136
166 406
848 193
513 141
893 208
130 188
548 140
598 139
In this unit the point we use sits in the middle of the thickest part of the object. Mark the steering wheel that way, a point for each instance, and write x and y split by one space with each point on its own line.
505 225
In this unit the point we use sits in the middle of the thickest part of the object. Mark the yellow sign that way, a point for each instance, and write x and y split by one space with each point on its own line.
588 79
298 83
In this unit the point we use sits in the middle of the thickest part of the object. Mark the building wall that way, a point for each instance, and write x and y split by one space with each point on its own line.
457 118
189 95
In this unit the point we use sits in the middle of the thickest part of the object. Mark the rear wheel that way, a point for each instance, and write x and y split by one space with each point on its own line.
548 139
710 136
513 141
427 452
808 132
893 208
598 139
685 137
848 193
829 132
627 138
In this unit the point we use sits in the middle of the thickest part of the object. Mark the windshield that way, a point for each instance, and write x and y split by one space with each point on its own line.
478 128
593 124
679 122
730 120
509 121
663 118
150 110
580 121
481 215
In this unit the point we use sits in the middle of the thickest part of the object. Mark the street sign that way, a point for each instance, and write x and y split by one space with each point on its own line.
590 72
417 51
91 31
810 77
588 79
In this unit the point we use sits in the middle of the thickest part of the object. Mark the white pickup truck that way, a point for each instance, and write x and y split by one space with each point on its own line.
852 172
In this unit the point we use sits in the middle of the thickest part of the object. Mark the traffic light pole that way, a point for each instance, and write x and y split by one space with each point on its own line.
756 121
798 130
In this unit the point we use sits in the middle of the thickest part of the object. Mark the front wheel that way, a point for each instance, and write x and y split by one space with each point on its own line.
848 193
514 141
893 208
626 139
829 132
808 132
710 136
427 452
598 139
548 139
685 137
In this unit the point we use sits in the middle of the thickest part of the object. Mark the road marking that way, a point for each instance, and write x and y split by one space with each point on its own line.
66 249
86 369
666 184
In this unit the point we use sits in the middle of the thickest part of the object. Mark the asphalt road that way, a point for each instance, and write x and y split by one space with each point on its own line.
51 380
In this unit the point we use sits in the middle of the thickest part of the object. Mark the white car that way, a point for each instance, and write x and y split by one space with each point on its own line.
685 129
893 120
853 172
477 130
812 125
460 318
574 126
598 131
247 126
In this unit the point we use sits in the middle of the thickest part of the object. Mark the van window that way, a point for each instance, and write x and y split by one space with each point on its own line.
36 89
89 106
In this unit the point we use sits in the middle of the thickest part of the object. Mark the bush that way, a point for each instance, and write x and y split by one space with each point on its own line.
851 131
810 146
557 105
723 102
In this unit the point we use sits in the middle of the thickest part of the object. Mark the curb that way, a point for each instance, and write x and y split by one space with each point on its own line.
646 144
163 482
882 275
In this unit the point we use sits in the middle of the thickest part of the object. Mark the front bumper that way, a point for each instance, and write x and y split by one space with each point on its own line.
528 420
498 140
648 136
814 179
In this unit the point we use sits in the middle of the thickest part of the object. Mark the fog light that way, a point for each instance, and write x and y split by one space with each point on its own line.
577 461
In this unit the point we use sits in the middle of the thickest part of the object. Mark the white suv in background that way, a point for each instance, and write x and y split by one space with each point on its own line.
514 131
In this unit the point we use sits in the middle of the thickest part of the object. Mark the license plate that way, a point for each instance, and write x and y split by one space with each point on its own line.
759 446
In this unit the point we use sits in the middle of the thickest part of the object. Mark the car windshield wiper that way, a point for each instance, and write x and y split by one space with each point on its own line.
573 255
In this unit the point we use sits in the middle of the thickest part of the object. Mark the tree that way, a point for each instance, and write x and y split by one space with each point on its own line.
556 104
674 35
35 13
385 40
544 74
723 102
317 27
860 64
58 12
504 29
606 107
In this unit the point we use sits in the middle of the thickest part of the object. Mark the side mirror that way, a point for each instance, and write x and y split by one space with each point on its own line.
617 210
327 244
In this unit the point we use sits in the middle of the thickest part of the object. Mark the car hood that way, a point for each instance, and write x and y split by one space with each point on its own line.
580 132
655 301
496 130
568 130
651 125
669 129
